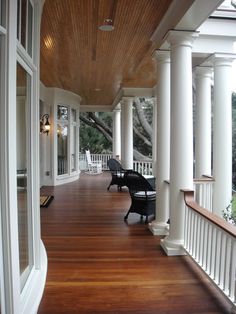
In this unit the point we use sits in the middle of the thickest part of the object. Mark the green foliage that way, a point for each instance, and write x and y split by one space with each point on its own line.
234 139
229 214
92 139
139 143
95 139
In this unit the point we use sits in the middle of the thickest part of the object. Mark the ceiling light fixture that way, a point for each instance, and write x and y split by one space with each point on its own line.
107 26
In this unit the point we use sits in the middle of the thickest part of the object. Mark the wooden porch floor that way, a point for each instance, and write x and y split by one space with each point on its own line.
97 263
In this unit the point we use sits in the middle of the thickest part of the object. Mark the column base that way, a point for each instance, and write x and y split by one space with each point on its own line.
158 228
172 247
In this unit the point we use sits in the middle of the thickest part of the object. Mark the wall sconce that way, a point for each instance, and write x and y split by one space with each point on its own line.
44 124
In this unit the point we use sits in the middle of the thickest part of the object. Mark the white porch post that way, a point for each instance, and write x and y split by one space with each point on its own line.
222 132
154 137
181 147
127 133
116 144
203 122
158 226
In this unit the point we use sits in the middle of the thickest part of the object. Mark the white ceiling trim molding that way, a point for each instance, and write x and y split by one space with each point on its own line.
218 27
117 99
172 17
211 44
197 14
137 92
91 108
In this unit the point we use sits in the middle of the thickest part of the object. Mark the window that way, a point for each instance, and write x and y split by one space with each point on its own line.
62 139
66 139
73 139
23 171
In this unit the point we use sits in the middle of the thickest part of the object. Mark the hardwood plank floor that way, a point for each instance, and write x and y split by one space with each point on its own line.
97 263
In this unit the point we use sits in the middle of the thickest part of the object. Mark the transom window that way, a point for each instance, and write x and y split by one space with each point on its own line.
25 24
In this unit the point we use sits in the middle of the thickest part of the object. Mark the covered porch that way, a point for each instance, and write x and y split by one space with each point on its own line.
97 263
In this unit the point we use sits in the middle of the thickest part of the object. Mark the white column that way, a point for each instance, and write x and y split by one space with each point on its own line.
181 143
159 225
222 133
203 122
116 133
127 133
154 136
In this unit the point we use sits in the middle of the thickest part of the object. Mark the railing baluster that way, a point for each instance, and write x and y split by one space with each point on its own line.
218 255
194 235
200 249
222 271
204 246
232 280
227 264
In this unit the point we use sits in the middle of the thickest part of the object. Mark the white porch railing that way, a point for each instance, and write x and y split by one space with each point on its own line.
143 167
204 191
102 158
211 242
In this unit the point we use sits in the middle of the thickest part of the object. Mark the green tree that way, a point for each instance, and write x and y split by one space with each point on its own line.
96 130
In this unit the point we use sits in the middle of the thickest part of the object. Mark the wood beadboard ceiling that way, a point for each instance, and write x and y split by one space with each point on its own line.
77 56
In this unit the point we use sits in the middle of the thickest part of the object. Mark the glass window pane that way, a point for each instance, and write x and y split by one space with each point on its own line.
62 155
73 148
23 22
3 13
18 18
24 213
30 29
62 112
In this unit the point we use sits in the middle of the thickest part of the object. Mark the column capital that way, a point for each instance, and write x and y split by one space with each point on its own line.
161 56
202 71
127 99
221 59
117 108
181 38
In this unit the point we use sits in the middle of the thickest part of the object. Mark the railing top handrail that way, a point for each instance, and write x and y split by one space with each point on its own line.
149 160
204 179
207 176
220 222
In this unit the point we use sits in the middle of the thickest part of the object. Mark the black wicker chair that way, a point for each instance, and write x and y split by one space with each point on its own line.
117 174
143 196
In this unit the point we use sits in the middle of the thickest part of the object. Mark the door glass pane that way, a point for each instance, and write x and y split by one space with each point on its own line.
62 113
62 155
23 22
3 13
18 19
24 213
30 29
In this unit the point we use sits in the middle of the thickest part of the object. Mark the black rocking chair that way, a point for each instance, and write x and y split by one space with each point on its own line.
117 174
143 196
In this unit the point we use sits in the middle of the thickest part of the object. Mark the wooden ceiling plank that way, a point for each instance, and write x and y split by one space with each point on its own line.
82 58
